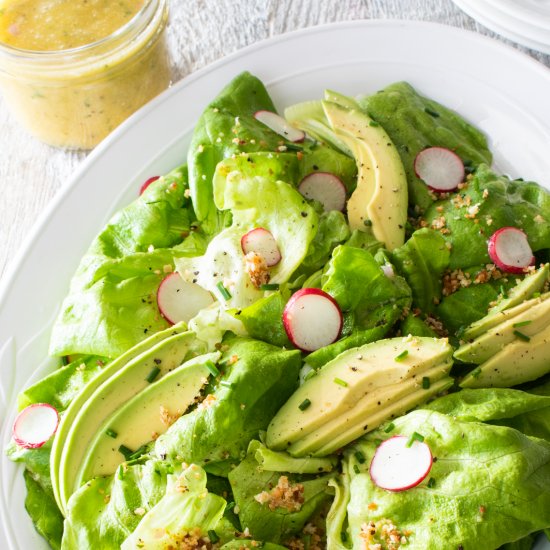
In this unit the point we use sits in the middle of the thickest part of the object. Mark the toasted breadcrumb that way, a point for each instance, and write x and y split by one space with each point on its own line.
382 535
166 417
283 495
208 401
257 269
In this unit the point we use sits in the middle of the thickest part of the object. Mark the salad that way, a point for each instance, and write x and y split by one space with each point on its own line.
324 330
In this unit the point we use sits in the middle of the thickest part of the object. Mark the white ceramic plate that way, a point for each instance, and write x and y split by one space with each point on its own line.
526 22
502 91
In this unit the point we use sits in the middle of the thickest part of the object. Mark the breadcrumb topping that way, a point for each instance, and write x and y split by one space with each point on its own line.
166 417
283 495
257 269
382 535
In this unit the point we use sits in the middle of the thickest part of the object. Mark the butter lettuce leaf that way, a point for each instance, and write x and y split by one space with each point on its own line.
274 523
257 379
111 304
489 483
370 301
422 261
414 122
185 512
487 203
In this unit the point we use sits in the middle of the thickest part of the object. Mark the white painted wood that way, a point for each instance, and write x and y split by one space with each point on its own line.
200 31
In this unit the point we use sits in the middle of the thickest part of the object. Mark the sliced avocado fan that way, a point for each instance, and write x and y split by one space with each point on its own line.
359 390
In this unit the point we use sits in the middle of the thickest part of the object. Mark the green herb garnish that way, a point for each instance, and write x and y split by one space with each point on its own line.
212 368
111 433
213 536
360 457
374 124
415 437
341 382
522 336
389 428
152 375
402 355
431 112
125 451
426 383
522 324
476 372
356 469
431 483
226 384
223 291
270 286
304 404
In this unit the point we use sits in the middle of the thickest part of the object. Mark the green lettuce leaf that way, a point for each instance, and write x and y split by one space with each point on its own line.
414 122
255 201
422 260
489 483
275 523
486 204
257 380
106 510
370 301
111 304
187 510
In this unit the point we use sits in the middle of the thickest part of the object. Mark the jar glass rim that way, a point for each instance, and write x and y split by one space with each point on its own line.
148 9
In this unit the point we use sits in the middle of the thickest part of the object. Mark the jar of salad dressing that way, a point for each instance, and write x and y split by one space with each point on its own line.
73 70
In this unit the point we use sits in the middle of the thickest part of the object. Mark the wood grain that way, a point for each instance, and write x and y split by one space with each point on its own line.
200 31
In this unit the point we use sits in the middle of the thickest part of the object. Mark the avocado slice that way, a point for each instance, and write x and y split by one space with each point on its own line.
516 363
381 195
517 297
114 392
372 410
139 419
74 408
343 382
525 324
400 407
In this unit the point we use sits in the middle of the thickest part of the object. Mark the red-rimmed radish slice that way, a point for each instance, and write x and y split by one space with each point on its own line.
280 126
398 465
509 249
262 242
179 300
441 169
326 188
147 183
312 319
35 425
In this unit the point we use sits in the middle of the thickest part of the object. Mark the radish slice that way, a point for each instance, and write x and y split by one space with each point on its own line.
262 242
441 169
280 126
312 319
35 425
147 183
179 300
326 188
398 466
509 249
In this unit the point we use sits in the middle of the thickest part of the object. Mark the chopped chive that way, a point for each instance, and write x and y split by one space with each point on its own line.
306 539
125 451
343 536
415 437
402 355
65 360
502 291
431 112
270 286
356 469
152 375
138 452
522 324
522 336
374 123
368 223
431 483
294 147
223 291
360 457
304 404
426 383
111 433
389 428
213 536
476 372
226 384
341 382
212 368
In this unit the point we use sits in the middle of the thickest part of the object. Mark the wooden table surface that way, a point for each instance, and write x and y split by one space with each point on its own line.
200 31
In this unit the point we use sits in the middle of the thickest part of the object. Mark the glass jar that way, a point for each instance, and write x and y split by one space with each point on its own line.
73 98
